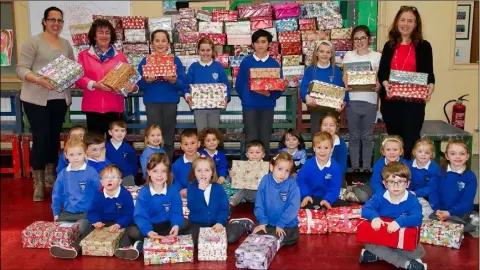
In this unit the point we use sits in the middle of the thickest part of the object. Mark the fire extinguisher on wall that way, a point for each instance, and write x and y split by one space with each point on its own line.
458 112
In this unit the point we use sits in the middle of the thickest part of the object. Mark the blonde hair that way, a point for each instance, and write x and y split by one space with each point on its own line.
424 141
397 169
449 144
149 131
322 136
282 156
74 141
110 169
315 57
154 160
191 174
392 138
329 115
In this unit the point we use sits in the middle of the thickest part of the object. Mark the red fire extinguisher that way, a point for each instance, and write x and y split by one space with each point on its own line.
458 112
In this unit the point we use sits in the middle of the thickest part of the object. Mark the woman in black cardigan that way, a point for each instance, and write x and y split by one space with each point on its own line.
405 50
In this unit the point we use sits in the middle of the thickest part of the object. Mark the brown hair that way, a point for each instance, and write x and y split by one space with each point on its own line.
110 169
329 115
322 136
255 143
154 160
118 123
75 128
424 141
361 28
207 131
101 23
149 130
394 36
211 163
74 141
396 169
208 41
93 137
451 142
315 57
293 133
187 133
282 156
392 138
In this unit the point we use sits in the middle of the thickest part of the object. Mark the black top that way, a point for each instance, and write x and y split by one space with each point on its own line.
423 59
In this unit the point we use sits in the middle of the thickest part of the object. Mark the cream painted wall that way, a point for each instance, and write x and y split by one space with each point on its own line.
438 25
452 81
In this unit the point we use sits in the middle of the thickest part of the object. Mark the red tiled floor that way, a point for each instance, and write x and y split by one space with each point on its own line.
334 251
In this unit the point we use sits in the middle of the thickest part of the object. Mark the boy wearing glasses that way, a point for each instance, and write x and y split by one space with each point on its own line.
112 207
402 206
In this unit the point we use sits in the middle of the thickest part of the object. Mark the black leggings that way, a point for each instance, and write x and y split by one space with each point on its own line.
46 125
99 122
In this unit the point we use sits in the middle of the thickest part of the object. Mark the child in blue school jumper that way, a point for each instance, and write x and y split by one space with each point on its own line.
96 154
162 96
73 193
122 153
278 201
324 69
189 144
423 168
211 145
399 204
320 178
153 144
208 202
158 209
207 70
392 150
62 161
452 193
258 106
329 123
292 142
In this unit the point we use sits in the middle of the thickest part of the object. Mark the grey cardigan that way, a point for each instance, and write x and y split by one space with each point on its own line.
36 54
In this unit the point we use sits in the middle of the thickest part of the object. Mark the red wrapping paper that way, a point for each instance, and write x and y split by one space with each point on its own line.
315 35
248 11
80 39
344 219
404 238
242 50
159 70
261 22
188 37
312 222
218 39
187 24
159 59
133 22
342 44
219 15
274 48
293 80
223 59
407 92
292 36
44 234
186 12
307 24
278 58
136 49
235 71
267 84
291 48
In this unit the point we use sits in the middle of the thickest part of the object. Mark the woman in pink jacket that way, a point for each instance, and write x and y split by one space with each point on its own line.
100 103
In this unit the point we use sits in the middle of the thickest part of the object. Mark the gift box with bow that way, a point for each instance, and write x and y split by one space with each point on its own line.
404 238
249 11
344 219
326 94
168 250
312 222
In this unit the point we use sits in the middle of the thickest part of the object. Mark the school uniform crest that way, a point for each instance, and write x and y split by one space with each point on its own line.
215 75
83 185
328 176
283 196
119 205
461 185
124 155
166 206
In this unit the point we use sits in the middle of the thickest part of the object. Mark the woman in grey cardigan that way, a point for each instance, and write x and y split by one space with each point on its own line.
45 108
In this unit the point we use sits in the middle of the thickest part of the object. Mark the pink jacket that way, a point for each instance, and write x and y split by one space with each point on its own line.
98 100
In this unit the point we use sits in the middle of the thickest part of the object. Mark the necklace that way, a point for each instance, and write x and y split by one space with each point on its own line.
396 58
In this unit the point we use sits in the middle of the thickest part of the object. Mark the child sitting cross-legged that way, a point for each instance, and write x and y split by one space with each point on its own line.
402 206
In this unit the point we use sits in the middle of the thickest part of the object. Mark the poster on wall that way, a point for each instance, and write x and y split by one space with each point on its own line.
6 47
462 29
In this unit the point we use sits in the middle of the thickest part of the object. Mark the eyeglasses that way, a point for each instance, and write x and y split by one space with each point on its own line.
360 39
400 183
408 7
53 20
109 177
